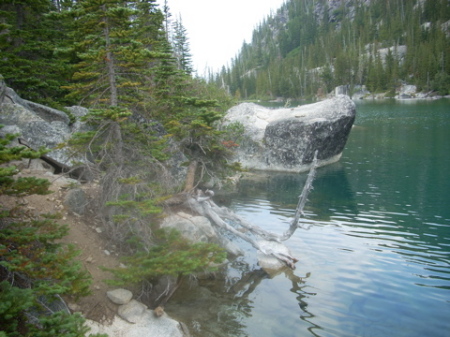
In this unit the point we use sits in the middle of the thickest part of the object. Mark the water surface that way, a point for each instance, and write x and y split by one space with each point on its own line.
376 259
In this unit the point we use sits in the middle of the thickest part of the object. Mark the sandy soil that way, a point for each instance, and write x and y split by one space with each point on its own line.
85 233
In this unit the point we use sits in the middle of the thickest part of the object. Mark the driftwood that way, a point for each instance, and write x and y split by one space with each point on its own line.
79 172
222 217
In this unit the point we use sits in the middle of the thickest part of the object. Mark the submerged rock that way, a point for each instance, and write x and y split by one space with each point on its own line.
134 319
286 139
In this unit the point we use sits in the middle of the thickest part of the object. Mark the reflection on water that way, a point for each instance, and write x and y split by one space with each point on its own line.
374 253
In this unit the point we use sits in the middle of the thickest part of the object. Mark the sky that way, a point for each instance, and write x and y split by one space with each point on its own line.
216 29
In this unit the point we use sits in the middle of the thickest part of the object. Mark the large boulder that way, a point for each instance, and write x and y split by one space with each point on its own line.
286 139
197 228
39 125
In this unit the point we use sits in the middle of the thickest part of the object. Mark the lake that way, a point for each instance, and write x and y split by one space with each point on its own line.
376 259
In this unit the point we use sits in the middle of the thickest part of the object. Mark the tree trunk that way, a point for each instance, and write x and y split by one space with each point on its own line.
110 63
190 176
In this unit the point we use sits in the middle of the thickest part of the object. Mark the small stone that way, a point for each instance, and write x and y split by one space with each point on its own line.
98 230
107 252
90 259
158 312
120 296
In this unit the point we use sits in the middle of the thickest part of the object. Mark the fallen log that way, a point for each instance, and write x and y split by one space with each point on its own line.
269 243
75 172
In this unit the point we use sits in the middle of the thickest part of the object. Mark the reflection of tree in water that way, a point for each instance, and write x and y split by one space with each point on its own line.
298 285
221 305
217 306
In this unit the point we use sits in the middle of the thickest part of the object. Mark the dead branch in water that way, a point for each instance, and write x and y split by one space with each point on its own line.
302 200
205 206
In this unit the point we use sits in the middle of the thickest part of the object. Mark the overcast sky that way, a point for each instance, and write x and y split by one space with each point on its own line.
217 28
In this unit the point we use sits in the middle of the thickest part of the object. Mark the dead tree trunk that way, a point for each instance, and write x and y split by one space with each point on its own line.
190 176
204 205
302 200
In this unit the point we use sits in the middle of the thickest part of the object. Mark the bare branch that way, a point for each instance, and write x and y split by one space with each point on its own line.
302 200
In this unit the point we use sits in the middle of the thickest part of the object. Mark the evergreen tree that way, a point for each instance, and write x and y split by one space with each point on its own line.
180 45
116 45
28 36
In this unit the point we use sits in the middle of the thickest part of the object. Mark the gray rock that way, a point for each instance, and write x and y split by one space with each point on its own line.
39 125
197 228
76 201
286 139
37 131
133 311
193 228
44 112
120 296
147 325
407 91
342 90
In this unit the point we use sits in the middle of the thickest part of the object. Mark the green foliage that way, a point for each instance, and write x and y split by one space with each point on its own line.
32 262
18 186
441 83
116 46
143 207
113 113
172 255
14 302
29 249
28 36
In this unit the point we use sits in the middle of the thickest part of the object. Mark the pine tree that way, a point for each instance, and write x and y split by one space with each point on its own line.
29 64
116 45
180 45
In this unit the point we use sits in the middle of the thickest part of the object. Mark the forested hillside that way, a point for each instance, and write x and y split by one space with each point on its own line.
128 63
128 60
311 46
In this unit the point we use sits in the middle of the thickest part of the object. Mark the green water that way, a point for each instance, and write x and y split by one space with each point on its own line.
376 262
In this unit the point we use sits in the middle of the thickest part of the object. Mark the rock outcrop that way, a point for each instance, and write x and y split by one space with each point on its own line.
285 139
41 126
37 124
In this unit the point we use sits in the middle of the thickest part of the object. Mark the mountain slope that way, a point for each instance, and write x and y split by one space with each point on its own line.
310 46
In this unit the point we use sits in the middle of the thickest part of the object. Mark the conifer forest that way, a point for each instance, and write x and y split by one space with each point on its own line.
308 47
